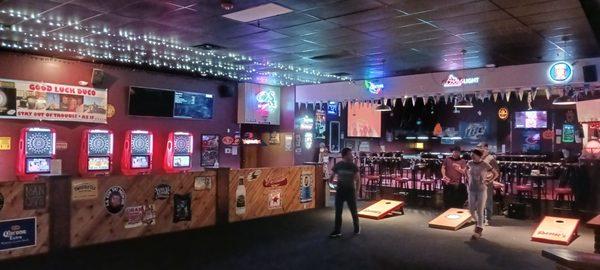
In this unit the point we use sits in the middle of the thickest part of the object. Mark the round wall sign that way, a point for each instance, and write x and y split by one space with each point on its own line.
114 199
110 110
503 113
560 72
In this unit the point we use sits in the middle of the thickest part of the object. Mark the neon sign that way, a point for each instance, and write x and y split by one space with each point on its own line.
267 100
332 108
374 88
453 81
560 72
306 123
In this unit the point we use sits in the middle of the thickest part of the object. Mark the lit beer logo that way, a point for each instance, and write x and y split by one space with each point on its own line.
560 72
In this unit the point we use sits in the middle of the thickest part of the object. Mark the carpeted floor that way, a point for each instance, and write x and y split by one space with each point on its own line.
299 241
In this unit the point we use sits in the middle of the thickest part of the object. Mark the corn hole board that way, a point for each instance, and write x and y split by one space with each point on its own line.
382 209
452 219
556 230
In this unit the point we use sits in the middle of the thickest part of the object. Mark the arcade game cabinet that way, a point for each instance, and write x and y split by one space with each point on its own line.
96 153
137 152
178 157
37 147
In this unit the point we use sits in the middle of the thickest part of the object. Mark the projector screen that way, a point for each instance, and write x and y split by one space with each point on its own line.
363 121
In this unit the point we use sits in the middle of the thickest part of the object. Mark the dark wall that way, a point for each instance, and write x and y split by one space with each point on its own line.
117 80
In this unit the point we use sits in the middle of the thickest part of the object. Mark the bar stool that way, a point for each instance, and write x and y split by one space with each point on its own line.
401 183
372 185
563 192
427 184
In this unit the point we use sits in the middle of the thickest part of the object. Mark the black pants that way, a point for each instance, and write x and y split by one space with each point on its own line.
348 195
455 195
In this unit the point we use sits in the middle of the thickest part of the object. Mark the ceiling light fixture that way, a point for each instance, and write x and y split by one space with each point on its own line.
383 107
463 104
226 4
566 99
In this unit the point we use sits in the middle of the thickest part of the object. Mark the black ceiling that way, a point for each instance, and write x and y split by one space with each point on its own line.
365 38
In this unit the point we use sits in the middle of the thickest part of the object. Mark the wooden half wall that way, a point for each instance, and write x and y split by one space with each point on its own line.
270 191
91 223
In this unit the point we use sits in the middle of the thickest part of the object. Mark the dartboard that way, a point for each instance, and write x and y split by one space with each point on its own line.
3 99
39 143
99 144
181 144
140 144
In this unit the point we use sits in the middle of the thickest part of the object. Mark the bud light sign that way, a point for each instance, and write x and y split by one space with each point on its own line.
17 233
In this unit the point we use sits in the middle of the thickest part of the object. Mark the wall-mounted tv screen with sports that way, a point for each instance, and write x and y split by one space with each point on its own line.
363 120
531 119
169 103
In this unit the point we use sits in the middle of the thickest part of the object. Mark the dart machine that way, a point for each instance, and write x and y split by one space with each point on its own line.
37 147
137 152
179 151
96 153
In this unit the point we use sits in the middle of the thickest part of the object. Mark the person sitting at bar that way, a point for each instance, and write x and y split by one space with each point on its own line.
455 192
347 176
479 175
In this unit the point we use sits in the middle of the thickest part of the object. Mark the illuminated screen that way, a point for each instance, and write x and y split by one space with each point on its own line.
39 143
99 144
140 162
193 105
98 163
363 121
37 165
181 161
531 119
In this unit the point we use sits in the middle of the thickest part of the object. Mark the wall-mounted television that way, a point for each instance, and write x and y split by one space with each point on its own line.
169 103
363 121
531 119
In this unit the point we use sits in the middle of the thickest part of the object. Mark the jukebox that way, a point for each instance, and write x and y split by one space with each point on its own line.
37 147
137 152
178 156
96 153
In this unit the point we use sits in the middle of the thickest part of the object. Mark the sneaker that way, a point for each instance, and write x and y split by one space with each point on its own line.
486 222
357 232
335 235
477 233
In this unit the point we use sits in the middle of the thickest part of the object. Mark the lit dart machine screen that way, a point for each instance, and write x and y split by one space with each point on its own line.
96 153
37 147
178 156
137 152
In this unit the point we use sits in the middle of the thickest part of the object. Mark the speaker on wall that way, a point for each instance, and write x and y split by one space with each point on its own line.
590 74
225 91
97 76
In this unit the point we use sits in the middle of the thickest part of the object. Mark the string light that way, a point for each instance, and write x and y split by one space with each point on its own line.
148 50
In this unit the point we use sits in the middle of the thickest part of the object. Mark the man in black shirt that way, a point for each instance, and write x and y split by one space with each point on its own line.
347 176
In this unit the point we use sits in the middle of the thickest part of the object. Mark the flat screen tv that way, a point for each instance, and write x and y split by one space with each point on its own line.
363 121
169 103
531 119
193 105
150 102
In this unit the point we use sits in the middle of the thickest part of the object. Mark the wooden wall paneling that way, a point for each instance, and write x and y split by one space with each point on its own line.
222 195
320 186
13 209
91 223
257 196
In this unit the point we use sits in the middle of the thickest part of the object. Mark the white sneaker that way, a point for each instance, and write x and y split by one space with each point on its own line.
486 223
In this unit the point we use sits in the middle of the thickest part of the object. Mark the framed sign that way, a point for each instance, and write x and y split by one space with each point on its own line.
209 150
18 233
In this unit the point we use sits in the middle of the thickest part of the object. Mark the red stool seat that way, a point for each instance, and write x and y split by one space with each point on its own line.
373 177
563 190
401 179
524 188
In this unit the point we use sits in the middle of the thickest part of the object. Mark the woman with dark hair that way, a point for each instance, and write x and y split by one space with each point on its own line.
479 175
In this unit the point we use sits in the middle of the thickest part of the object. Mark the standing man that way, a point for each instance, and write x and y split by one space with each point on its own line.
491 160
347 176
453 169
479 174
